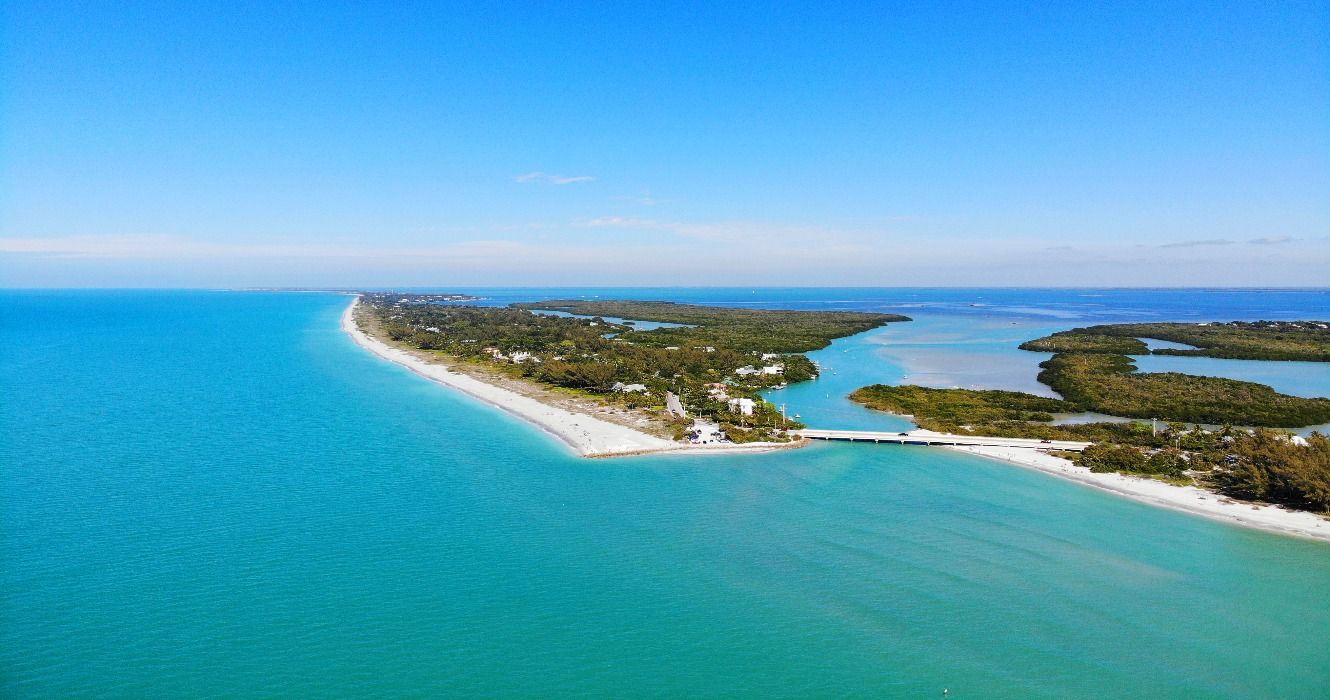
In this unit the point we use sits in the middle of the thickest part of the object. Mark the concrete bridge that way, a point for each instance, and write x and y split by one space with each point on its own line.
927 437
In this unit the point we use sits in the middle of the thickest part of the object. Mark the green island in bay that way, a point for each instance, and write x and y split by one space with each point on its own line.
1235 340
1091 371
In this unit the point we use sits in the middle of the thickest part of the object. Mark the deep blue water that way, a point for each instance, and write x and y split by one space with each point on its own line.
218 495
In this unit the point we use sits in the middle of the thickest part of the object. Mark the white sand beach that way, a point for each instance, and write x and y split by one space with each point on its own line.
590 436
1184 498
587 435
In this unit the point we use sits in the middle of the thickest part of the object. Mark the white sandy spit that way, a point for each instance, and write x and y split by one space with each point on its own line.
587 435
1185 498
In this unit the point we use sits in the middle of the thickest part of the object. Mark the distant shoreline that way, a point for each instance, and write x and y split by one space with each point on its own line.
585 434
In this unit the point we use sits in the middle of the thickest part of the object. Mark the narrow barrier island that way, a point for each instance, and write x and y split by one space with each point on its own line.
1092 372
695 381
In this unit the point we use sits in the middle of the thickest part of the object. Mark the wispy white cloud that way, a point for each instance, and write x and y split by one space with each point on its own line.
622 221
649 251
551 179
178 248
1272 240
1198 244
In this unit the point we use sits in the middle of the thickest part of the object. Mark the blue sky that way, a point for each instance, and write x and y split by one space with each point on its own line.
382 144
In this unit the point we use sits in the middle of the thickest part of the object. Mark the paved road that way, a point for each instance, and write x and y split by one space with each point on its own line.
674 405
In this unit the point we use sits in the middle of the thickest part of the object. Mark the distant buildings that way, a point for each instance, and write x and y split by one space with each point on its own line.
742 406
518 357
629 388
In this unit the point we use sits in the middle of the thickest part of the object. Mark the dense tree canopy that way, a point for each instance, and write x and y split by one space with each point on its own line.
729 354
1110 384
761 330
1239 340
1092 372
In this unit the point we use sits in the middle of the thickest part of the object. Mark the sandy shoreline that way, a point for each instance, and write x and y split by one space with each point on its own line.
587 435
1189 499
590 436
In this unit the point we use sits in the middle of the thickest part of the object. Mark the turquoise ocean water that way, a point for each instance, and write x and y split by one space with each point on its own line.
219 495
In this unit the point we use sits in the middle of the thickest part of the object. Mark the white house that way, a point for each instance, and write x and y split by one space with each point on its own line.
770 355
773 369
747 370
629 388
742 406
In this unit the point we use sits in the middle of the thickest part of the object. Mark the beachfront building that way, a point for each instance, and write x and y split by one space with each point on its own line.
747 370
742 406
774 369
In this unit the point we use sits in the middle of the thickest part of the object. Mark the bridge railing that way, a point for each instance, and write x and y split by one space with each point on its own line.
941 439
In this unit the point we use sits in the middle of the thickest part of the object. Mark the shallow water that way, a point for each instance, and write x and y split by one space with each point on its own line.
636 324
1156 344
1309 379
219 495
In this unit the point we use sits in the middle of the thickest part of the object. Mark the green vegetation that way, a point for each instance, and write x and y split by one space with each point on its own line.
1110 384
1091 370
997 413
1106 384
1078 341
1238 340
729 355
954 407
1268 466
1261 465
759 330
